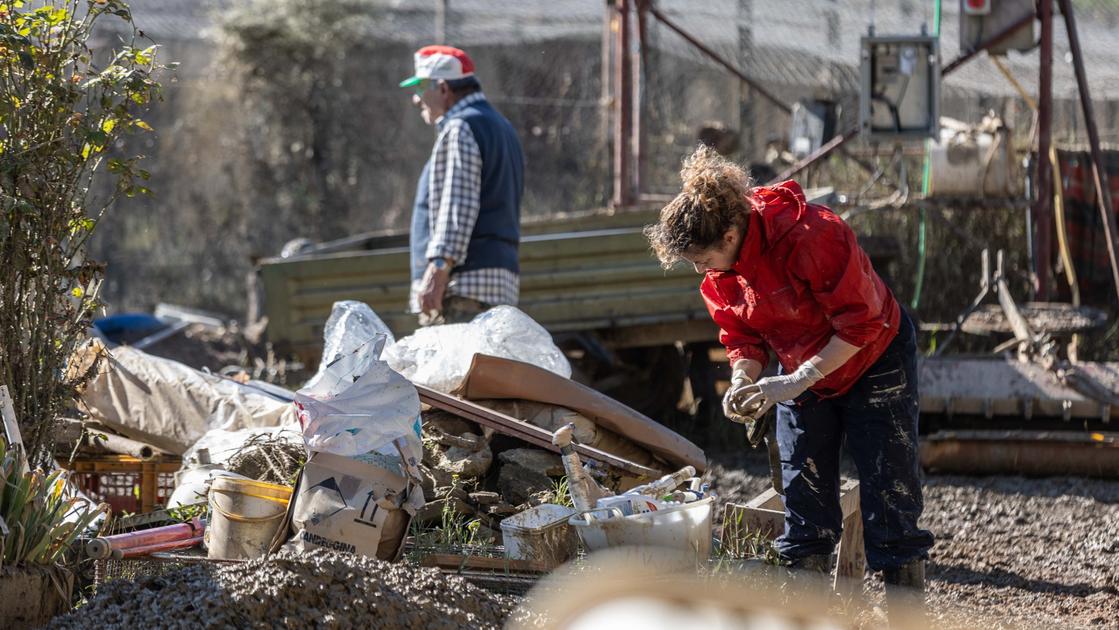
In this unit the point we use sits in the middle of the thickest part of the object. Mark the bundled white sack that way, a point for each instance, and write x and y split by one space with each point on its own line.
351 324
439 356
359 405
167 404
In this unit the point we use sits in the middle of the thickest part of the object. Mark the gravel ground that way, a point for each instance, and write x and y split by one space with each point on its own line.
1010 551
318 590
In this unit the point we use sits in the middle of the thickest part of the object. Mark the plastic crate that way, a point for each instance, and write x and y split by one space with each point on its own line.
126 483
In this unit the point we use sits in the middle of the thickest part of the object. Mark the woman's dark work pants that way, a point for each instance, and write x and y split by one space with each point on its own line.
879 417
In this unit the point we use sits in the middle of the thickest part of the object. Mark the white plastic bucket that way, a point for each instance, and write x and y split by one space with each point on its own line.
684 527
244 517
541 533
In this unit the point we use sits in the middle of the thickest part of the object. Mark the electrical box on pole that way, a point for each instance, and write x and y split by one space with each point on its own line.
982 19
899 96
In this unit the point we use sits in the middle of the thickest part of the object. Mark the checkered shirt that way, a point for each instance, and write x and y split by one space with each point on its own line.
455 190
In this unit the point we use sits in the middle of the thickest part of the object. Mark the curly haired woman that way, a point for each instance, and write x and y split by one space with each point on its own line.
787 276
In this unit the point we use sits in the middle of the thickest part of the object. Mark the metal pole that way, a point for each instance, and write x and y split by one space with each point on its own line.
623 107
746 125
441 21
637 136
1099 176
838 141
1043 207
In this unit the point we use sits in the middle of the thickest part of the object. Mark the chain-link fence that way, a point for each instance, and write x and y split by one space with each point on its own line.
284 119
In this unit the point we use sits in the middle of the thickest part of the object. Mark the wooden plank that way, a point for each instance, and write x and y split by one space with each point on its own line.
532 434
483 563
850 563
849 496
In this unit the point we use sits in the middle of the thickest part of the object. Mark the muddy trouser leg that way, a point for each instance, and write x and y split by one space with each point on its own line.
809 437
880 419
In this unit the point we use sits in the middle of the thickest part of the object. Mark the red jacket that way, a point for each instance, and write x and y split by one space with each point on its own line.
800 278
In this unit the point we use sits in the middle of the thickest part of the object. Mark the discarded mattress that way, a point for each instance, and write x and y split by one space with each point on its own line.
170 405
499 378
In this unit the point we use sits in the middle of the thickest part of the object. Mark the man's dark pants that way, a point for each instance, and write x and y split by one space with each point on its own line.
879 418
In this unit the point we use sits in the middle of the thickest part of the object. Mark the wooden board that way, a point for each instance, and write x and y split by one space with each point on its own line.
483 563
508 425
765 513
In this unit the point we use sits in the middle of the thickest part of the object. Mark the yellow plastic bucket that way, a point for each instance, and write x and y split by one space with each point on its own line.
244 517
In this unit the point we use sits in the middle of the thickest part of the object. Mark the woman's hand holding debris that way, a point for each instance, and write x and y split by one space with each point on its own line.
733 400
761 396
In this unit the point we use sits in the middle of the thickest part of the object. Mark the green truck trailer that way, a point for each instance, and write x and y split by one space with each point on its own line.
590 274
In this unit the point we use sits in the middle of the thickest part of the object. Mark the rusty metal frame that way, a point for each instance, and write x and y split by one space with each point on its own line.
1103 192
647 6
1043 205
624 191
508 425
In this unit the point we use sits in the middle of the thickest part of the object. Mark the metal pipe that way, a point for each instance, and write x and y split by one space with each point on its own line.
838 141
664 19
995 39
819 154
623 108
1021 453
1103 192
103 547
1043 205
124 446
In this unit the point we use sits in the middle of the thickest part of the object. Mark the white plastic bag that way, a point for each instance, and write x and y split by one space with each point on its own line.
358 405
439 356
351 324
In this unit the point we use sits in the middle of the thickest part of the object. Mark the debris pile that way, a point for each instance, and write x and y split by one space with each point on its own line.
299 590
480 475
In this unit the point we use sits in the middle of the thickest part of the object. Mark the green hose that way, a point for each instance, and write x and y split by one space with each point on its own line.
922 224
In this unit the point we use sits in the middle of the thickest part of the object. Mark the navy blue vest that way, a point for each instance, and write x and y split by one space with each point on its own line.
496 235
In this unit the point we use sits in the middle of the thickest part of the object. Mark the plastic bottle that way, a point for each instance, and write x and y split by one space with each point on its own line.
578 483
665 484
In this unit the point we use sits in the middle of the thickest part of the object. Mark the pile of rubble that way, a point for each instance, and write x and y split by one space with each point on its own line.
318 589
481 475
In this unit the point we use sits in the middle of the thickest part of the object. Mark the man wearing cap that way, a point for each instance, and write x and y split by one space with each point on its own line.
466 221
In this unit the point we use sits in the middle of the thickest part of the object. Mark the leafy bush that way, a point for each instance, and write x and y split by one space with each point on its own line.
62 107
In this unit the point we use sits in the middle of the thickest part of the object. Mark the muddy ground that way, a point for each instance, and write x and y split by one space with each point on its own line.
1010 551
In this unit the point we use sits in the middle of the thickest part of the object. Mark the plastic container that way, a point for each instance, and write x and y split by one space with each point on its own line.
683 527
630 504
244 517
541 533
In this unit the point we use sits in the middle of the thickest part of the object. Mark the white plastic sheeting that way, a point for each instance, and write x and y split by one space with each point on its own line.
170 405
351 324
358 404
439 356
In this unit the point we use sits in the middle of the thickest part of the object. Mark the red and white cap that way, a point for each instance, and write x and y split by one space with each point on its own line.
445 63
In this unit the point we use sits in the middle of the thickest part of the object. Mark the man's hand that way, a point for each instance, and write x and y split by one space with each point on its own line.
774 389
433 286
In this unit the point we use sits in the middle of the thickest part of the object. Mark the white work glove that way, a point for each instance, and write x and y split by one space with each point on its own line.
774 389
734 398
